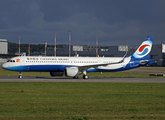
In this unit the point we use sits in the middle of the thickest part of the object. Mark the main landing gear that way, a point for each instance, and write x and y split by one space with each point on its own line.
76 77
20 75
85 76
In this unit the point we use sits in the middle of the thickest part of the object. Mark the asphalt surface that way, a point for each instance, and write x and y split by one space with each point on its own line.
92 79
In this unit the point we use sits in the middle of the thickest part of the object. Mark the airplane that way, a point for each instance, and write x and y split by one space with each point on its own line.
74 66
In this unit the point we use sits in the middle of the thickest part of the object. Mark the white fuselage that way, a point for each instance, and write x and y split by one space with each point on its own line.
39 63
73 66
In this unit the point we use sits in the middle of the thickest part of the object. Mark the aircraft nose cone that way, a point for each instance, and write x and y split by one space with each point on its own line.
4 65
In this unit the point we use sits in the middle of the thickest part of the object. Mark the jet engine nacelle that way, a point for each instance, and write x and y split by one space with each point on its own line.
71 72
56 74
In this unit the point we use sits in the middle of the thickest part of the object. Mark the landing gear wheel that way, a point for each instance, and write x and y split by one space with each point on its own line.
20 76
85 77
76 77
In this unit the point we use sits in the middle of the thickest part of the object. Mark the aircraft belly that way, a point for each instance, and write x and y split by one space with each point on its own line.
44 68
39 68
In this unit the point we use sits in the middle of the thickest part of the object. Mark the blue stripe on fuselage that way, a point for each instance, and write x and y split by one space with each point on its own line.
38 68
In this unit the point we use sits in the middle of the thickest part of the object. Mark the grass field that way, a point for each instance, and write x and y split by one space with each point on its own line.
82 101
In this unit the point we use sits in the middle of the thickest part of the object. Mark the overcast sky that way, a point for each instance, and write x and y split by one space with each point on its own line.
114 21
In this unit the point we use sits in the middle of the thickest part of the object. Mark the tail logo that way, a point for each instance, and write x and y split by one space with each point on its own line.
143 50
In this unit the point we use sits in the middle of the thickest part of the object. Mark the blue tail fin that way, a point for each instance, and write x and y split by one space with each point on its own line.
144 49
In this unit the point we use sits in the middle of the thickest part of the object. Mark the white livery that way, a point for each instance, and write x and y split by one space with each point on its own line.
74 66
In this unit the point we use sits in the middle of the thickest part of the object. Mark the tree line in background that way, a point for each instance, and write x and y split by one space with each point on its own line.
14 47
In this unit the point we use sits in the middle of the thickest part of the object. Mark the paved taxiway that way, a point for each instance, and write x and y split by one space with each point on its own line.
92 79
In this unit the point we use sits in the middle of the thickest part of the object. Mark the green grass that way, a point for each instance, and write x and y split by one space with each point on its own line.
82 101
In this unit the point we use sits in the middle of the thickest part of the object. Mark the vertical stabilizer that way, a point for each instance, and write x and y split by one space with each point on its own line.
144 49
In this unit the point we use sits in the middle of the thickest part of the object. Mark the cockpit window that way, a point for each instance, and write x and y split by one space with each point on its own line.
11 61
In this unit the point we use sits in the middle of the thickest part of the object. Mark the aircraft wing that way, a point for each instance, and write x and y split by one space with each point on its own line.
84 68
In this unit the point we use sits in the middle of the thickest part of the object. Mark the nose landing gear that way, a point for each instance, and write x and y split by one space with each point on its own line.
20 75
